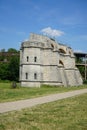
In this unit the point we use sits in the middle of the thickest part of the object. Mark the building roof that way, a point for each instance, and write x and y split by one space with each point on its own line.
80 54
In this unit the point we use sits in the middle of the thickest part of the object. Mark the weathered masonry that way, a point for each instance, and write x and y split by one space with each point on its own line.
44 61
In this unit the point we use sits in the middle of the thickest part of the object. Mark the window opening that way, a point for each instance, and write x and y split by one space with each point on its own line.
27 58
35 75
52 46
70 52
35 59
62 51
26 75
60 62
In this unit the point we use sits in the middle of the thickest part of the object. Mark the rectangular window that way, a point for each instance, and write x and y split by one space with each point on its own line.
35 59
26 75
27 58
35 75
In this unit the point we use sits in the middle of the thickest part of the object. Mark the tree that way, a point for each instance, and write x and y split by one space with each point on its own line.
9 70
12 50
79 60
4 71
82 71
13 68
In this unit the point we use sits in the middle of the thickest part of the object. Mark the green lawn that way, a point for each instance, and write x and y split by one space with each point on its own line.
9 94
66 114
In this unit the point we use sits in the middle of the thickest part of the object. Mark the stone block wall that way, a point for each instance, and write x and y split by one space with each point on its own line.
44 61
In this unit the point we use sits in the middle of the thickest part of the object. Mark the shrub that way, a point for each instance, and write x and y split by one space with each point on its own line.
85 82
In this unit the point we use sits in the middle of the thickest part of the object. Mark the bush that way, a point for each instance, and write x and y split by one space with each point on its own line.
4 81
85 82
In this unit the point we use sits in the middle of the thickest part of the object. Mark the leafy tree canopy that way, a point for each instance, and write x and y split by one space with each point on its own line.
12 50
9 70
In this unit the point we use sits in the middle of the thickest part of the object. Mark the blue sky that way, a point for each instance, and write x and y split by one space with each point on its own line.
66 20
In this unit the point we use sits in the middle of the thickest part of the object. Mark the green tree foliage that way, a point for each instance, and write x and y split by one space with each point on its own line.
79 60
12 50
82 71
13 68
2 57
9 70
4 71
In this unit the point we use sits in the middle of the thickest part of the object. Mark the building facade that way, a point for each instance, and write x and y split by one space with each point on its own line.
44 61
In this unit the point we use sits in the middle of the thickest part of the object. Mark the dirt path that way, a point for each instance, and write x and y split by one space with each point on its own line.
18 105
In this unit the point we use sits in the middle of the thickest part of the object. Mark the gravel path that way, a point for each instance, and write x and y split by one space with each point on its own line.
18 105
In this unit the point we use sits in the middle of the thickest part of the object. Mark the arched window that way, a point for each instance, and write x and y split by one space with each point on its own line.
60 62
70 52
62 51
52 46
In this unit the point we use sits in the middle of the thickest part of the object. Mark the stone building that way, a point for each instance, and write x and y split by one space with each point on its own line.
44 61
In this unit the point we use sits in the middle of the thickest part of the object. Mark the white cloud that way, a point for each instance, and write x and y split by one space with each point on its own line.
52 32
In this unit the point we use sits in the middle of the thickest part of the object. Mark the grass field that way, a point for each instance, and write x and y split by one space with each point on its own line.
9 94
66 114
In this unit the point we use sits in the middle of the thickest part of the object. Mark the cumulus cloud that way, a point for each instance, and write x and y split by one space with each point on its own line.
52 32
